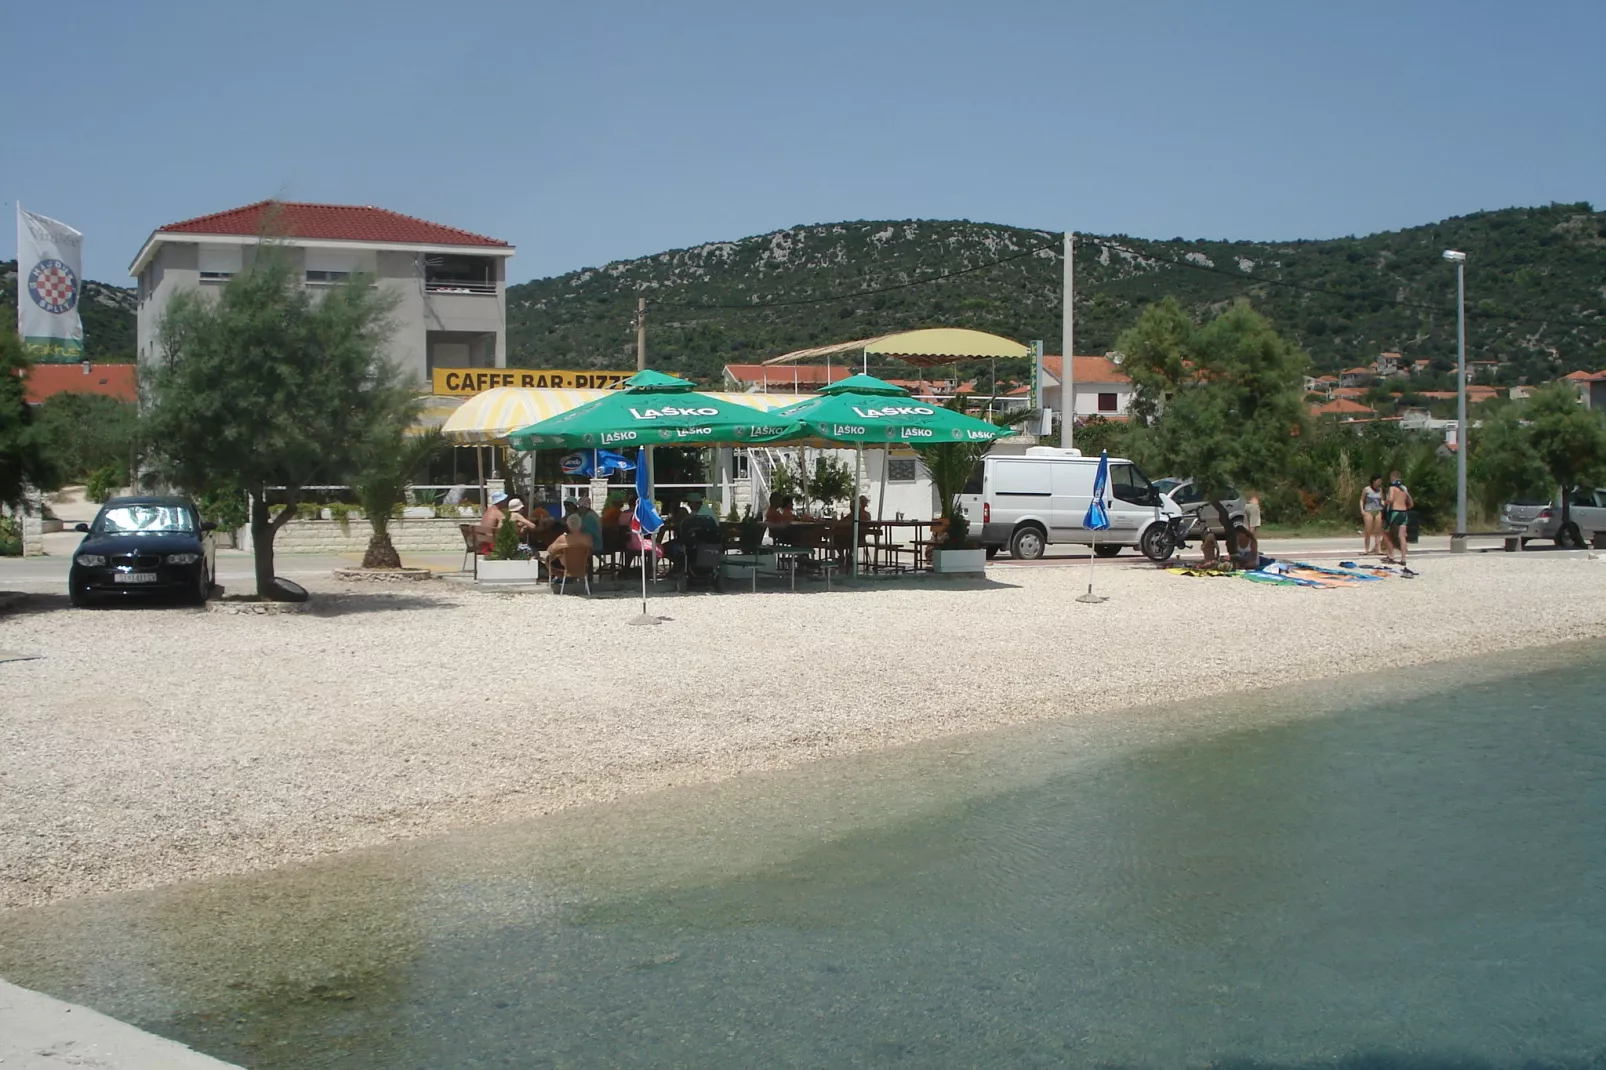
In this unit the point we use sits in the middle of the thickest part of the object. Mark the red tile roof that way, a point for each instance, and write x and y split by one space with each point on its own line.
1349 392
337 222
1439 395
120 381
1087 369
786 375
1343 406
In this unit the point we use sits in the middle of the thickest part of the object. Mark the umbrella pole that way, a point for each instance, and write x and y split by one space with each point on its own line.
1090 596
479 462
858 475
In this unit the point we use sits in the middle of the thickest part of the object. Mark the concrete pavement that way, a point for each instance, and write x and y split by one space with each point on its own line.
41 1033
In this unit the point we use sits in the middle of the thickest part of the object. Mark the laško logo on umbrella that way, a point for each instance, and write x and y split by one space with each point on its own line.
914 432
894 410
671 411
847 429
609 437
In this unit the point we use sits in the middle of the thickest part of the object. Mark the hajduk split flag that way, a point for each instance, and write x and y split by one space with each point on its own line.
49 284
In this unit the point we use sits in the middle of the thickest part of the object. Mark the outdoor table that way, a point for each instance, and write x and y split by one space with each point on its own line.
891 548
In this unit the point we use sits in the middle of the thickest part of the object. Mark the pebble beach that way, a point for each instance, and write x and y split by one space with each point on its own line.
164 745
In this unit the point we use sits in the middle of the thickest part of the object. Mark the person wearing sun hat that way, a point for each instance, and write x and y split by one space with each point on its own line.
495 513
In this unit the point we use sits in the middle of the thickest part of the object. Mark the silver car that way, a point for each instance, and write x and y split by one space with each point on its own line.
1531 519
1195 508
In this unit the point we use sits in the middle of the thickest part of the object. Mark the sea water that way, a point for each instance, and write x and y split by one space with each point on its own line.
1402 870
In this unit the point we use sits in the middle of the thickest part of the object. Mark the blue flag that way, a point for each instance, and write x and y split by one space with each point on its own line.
1098 510
645 519
594 464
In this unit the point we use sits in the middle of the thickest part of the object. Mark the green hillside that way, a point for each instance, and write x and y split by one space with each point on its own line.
107 311
1536 286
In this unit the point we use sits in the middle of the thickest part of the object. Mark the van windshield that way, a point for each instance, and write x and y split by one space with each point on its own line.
973 484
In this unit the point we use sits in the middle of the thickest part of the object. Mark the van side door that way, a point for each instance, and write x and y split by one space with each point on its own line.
1020 490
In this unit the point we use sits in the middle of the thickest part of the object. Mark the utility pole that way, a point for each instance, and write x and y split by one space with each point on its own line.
1067 345
641 334
1458 542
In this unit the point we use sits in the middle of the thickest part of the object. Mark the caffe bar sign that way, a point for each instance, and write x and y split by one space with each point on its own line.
465 381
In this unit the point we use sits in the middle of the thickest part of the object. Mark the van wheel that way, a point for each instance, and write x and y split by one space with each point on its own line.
1028 544
1157 543
1106 549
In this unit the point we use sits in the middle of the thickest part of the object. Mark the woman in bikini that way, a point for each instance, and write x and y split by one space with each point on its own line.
1372 515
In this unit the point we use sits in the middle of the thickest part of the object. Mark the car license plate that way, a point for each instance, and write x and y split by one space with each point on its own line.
135 577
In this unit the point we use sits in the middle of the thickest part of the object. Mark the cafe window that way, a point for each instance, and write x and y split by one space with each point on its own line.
1107 402
902 470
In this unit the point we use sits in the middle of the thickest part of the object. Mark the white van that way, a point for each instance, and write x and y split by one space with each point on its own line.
1026 501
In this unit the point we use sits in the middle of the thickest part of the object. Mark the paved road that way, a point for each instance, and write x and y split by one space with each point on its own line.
235 569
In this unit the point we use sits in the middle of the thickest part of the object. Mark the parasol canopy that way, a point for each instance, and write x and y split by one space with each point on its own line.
654 409
862 408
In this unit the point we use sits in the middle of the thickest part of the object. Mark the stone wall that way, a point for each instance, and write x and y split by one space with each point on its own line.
332 537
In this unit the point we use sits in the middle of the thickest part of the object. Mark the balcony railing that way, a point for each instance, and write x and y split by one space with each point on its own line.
459 286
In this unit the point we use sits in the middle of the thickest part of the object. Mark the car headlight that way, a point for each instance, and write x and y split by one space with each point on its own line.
91 560
183 559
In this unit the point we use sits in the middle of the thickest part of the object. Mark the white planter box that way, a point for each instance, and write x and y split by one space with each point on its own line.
946 561
737 572
419 512
495 572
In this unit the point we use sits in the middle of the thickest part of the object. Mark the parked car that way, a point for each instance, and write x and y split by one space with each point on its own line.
1532 519
1026 501
1195 508
143 547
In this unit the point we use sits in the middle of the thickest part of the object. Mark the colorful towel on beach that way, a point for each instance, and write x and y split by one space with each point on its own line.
1297 574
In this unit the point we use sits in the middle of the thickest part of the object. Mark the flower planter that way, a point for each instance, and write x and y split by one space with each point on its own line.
954 561
508 572
737 572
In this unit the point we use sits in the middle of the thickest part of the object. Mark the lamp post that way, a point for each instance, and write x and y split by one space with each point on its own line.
1458 541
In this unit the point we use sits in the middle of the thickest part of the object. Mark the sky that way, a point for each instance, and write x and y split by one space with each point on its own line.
585 132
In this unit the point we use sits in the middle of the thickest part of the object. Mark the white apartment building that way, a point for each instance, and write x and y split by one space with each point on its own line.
450 284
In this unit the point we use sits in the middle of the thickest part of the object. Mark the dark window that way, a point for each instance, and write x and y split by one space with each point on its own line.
901 471
327 276
1127 484
1106 402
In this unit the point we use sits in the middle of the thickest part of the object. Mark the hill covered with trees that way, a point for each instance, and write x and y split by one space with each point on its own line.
1536 286
1536 280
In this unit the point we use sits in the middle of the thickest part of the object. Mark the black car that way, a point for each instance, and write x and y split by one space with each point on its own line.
143 547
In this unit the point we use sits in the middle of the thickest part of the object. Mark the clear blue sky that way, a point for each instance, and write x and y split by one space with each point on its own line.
587 132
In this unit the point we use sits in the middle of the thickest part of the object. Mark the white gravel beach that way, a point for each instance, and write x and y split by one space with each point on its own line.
149 746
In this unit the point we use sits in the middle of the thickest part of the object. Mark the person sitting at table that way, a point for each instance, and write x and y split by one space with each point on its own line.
610 513
864 508
589 520
558 552
495 513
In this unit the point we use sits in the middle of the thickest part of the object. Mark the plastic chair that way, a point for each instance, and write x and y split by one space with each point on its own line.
470 545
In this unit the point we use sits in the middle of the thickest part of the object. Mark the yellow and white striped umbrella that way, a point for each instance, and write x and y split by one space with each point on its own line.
761 402
489 416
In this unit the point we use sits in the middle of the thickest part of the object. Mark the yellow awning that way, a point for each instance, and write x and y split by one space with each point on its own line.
924 348
490 416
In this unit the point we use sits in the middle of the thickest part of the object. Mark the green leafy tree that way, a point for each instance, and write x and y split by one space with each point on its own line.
266 385
391 457
86 432
1503 464
24 457
1222 403
1569 439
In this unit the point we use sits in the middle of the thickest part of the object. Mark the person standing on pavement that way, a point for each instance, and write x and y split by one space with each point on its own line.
1372 515
1398 502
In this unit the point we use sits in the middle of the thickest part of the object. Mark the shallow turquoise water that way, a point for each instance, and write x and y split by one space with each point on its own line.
1411 883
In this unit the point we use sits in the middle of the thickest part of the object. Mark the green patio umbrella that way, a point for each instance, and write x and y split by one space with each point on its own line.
653 409
862 408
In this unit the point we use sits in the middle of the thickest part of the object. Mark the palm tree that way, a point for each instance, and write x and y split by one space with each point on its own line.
390 459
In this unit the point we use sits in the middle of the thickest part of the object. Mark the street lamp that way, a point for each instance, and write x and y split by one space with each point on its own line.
1459 541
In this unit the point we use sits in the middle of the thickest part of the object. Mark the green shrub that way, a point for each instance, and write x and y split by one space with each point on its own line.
102 481
10 537
225 507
